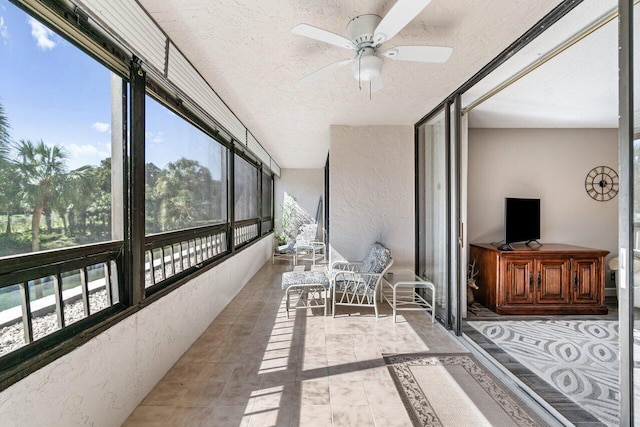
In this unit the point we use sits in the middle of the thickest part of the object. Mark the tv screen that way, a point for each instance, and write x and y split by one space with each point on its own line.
521 220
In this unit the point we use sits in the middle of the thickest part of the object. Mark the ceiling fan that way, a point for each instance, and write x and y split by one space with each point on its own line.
365 36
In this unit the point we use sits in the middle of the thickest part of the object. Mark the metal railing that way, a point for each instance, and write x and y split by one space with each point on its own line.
55 289
267 225
245 231
171 253
48 291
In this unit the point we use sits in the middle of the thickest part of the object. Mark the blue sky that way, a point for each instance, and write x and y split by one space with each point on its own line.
52 91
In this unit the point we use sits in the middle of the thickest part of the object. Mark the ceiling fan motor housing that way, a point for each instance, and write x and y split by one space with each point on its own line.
367 65
360 30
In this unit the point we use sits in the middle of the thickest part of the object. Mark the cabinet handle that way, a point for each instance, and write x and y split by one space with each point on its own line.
539 281
575 281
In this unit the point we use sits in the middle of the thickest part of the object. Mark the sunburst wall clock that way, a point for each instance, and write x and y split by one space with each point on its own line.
601 183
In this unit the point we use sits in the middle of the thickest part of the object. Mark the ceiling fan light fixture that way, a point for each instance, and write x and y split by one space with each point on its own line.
367 68
365 36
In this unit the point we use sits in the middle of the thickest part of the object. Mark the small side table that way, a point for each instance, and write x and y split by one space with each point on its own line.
404 296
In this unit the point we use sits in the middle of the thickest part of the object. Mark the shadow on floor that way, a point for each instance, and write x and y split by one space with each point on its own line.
253 366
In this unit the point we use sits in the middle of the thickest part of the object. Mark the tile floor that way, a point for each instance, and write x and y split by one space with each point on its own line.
255 367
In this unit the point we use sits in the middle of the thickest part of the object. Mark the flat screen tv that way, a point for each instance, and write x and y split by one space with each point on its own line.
521 220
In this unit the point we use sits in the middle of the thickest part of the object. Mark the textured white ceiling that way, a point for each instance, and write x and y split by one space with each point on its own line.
578 88
245 50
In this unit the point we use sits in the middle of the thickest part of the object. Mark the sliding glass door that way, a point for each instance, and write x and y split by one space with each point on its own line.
630 163
433 196
629 210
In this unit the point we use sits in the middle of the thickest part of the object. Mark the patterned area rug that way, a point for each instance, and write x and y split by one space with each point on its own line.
577 357
453 390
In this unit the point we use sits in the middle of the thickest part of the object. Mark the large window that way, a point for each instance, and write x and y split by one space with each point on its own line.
267 203
185 188
55 140
73 244
186 170
267 195
246 190
57 134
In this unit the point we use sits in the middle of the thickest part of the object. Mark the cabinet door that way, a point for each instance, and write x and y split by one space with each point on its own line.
586 281
552 281
518 286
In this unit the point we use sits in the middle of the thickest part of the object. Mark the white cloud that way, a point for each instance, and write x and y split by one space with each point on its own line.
156 138
44 36
101 126
4 31
86 154
86 151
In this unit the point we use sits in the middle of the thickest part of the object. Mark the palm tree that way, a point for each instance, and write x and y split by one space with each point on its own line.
9 195
4 133
75 194
178 212
82 186
100 207
186 191
152 199
41 170
43 173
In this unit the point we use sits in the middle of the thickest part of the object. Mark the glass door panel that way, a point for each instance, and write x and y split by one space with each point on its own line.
633 279
628 265
433 187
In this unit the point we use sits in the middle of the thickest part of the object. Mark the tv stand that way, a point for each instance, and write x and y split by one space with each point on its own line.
537 242
544 280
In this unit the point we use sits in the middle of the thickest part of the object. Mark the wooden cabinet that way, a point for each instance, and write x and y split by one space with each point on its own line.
552 279
518 282
552 282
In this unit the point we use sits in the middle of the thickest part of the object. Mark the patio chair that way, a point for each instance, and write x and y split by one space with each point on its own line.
358 283
306 244
287 252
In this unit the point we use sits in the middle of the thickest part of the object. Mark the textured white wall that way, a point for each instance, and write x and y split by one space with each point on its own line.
550 164
304 185
371 184
101 382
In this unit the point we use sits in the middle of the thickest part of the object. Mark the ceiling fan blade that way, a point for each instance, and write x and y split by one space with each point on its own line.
322 35
376 84
329 69
419 53
397 18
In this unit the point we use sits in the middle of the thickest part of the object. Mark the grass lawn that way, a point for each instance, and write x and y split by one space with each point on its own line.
19 242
